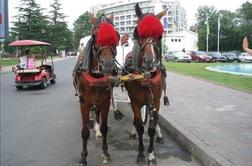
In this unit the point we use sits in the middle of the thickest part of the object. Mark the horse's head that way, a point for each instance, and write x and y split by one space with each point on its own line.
105 41
149 33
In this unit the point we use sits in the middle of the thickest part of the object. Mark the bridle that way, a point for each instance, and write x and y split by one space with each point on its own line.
104 66
97 52
156 53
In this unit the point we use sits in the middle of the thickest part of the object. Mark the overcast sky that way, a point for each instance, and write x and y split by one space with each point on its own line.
74 8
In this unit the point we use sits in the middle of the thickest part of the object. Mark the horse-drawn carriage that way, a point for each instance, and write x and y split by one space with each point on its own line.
143 75
37 75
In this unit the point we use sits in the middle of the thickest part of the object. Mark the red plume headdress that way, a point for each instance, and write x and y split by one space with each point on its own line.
107 35
150 26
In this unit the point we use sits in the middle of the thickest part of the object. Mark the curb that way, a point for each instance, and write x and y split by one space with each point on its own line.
191 143
194 145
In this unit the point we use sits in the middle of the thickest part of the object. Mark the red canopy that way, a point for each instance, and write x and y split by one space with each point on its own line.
29 43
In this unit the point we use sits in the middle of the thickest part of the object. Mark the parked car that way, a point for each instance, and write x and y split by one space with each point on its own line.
245 57
231 56
237 53
169 56
181 56
217 57
200 56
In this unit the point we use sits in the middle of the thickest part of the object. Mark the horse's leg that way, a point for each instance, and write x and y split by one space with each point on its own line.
133 131
140 131
104 131
152 131
160 138
98 134
84 133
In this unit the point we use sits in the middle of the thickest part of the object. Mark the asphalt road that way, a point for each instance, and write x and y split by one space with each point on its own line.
42 128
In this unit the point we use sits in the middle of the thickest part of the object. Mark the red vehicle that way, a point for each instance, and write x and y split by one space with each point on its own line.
38 76
200 56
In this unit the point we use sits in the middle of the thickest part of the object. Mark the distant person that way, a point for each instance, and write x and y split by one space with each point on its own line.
31 61
245 46
183 50
22 60
1 59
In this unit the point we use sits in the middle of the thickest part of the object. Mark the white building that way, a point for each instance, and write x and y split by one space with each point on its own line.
186 39
125 18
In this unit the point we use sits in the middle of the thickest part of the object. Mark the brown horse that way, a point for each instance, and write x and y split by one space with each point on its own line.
146 92
95 66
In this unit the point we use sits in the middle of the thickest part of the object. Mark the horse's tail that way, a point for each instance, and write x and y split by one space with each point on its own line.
75 81
75 73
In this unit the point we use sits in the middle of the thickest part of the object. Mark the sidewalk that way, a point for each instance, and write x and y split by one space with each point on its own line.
212 122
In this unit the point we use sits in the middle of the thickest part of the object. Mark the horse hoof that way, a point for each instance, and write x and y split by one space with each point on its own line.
105 159
132 136
140 159
98 137
152 162
90 124
160 140
82 162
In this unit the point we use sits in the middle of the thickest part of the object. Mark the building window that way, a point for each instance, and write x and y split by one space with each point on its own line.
128 22
122 29
128 17
122 23
176 40
179 40
116 18
117 23
122 17
172 40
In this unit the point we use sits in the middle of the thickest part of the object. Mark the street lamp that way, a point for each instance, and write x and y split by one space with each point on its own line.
218 40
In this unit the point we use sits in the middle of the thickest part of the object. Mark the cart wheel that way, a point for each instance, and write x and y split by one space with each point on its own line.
43 85
53 81
19 87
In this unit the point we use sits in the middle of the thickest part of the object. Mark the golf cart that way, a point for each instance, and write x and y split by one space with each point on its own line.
39 75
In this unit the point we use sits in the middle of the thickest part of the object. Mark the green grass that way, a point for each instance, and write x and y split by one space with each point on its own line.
198 70
14 61
9 62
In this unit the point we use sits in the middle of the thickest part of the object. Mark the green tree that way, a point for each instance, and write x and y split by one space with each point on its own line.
82 28
234 26
245 21
60 35
229 33
31 23
203 13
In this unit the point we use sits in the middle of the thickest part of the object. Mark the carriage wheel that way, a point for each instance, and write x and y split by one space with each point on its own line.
19 87
43 85
53 81
144 114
